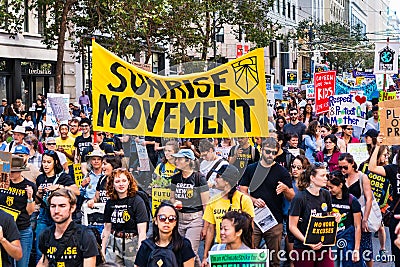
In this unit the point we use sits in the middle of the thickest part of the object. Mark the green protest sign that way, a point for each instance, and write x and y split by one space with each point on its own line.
239 258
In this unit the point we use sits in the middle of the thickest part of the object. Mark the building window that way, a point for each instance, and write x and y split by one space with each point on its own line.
26 16
278 6
288 9
41 19
294 12
284 8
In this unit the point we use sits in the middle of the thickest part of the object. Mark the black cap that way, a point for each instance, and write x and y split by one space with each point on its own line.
228 173
371 133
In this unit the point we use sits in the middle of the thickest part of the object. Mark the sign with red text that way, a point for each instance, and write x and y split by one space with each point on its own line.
324 84
347 109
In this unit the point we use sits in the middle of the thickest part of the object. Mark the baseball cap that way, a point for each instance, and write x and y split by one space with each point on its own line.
371 133
228 172
21 149
4 100
185 153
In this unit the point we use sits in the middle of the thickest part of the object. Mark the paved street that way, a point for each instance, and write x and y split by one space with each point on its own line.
375 242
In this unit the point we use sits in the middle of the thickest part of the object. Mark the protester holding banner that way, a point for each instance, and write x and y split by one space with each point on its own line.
380 187
51 179
349 228
330 154
230 199
189 194
166 236
354 181
312 199
125 217
391 172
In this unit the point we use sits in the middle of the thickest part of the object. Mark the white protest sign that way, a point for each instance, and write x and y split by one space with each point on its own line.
93 216
386 58
347 109
359 152
270 103
310 91
59 108
50 117
144 161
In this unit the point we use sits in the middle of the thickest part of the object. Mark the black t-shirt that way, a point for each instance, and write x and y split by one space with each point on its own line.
115 142
185 253
44 181
188 191
11 233
151 152
78 245
124 214
262 183
284 159
346 210
304 205
106 148
394 178
245 158
101 187
15 198
82 142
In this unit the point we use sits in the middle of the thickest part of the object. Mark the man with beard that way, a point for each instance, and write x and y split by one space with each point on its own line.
74 128
65 145
295 126
268 183
67 243
243 154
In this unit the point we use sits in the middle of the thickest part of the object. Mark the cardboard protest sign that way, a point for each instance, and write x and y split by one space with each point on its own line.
93 216
386 58
51 118
359 152
291 78
321 229
324 84
159 195
60 108
389 115
227 101
78 174
347 110
5 168
239 258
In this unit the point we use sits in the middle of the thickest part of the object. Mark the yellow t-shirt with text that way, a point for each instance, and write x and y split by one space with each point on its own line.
166 172
218 206
68 146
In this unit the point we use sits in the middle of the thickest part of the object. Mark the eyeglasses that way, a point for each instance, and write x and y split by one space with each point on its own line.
85 125
297 167
51 144
343 167
267 151
163 218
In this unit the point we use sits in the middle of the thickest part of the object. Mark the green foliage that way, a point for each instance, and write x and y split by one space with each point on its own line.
348 47
11 16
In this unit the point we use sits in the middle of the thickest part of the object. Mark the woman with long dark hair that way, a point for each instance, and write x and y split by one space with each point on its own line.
312 199
52 178
230 199
390 172
308 114
166 235
349 227
280 122
292 104
330 154
47 132
125 217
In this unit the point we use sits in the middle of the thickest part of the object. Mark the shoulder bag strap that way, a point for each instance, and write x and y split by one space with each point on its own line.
210 172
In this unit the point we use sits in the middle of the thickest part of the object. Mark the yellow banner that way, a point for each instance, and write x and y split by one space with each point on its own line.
228 101
78 174
158 196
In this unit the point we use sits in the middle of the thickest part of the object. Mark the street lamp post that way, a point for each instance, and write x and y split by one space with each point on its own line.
310 32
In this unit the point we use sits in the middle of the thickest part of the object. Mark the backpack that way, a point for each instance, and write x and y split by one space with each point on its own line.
146 201
160 257
78 241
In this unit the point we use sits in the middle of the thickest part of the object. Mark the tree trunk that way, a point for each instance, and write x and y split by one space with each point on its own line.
206 40
60 45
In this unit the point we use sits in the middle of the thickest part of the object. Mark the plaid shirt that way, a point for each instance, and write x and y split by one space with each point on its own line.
36 160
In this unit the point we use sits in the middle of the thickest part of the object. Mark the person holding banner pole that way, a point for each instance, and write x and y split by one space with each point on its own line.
391 172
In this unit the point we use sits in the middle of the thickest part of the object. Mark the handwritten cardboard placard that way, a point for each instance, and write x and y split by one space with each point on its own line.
359 152
321 229
347 109
389 114
384 96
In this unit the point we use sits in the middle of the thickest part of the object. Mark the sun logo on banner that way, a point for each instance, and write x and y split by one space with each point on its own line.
10 201
246 75
126 216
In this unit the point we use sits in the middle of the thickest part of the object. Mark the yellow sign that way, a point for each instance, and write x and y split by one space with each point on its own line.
228 101
159 195
13 212
78 174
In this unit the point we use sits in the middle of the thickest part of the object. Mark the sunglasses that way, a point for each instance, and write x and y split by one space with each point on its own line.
49 152
85 125
293 114
297 167
163 218
267 151
350 129
343 167
48 128
320 164
51 144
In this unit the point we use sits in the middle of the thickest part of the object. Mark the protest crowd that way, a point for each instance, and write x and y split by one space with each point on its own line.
315 191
